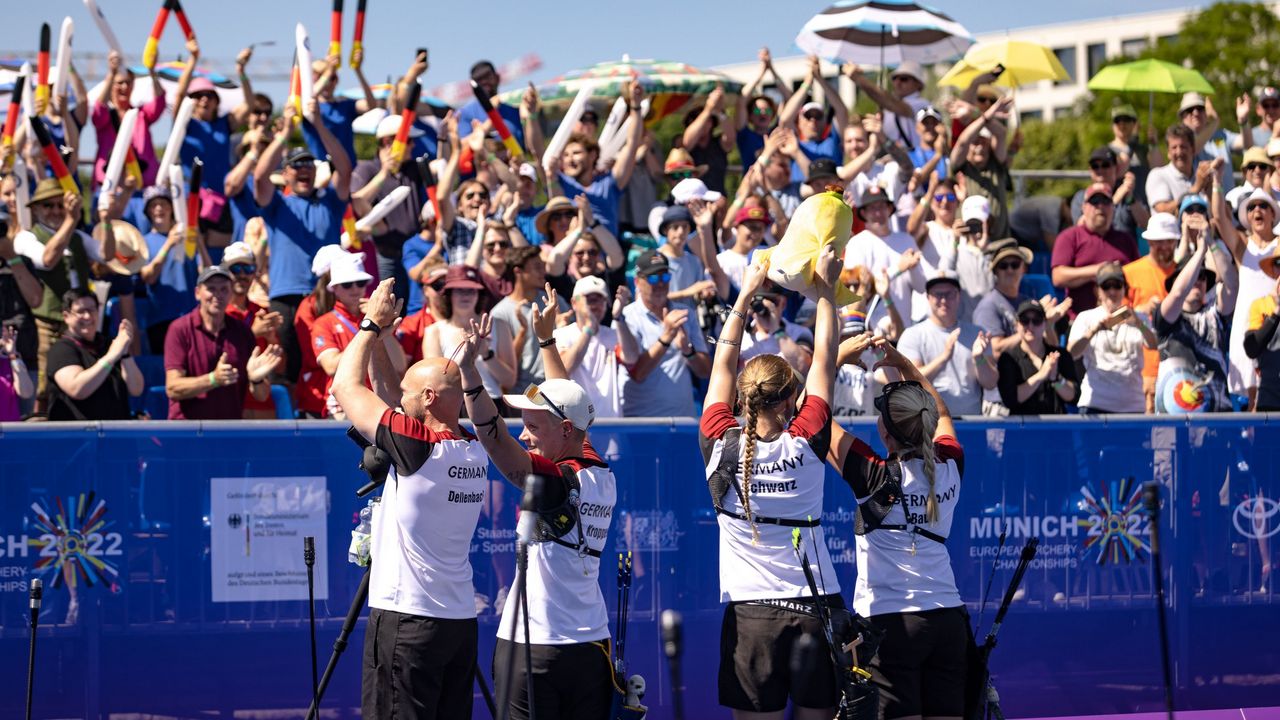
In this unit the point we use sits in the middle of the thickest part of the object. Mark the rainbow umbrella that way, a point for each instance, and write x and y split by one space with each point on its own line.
670 85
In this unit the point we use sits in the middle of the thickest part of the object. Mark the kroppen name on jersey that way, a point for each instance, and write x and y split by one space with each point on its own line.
469 472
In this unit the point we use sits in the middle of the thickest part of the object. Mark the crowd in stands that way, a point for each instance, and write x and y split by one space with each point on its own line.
1153 289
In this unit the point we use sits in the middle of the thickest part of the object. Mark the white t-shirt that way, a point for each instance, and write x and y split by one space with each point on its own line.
876 254
957 380
937 252
769 345
597 373
1112 364
1253 284
566 605
898 570
903 129
734 265
854 392
423 527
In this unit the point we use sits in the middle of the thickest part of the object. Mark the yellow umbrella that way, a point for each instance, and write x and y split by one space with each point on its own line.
1024 62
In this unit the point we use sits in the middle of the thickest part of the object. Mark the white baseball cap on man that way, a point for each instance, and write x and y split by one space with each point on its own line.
323 258
590 285
563 398
237 252
346 268
693 189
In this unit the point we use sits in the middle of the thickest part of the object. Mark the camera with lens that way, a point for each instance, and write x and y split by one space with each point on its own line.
973 227
757 304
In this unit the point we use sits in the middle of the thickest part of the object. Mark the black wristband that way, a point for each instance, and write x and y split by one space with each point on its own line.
488 356
689 354
474 392
547 343
664 343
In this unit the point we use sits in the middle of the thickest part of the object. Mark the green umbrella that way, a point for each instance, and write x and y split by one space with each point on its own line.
1150 76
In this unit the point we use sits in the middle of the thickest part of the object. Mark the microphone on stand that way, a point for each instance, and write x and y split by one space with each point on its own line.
37 594
672 645
1151 500
309 557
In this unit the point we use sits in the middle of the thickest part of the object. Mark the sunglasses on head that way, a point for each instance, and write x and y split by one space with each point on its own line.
1029 320
243 269
944 197
1112 285
1101 165
535 395
658 278
1009 265
353 284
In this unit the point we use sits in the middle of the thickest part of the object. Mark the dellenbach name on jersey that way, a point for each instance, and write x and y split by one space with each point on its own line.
465 497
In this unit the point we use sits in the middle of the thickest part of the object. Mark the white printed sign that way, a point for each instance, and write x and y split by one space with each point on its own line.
258 524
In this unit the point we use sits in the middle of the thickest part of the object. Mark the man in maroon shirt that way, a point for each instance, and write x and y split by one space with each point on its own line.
209 363
1081 249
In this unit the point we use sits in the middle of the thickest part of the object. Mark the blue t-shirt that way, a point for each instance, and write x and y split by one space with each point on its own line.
337 116
526 220
750 144
211 142
473 111
829 148
297 228
414 249
243 206
172 294
921 155
602 194
135 214
427 143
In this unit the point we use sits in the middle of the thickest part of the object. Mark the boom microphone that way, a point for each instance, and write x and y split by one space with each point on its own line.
1151 500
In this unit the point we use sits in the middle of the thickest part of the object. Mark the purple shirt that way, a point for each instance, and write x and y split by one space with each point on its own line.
1078 247
192 349
148 113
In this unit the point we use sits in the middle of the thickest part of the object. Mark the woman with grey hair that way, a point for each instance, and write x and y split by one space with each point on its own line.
906 503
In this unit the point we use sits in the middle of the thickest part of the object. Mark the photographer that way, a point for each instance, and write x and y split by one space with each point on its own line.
905 586
769 333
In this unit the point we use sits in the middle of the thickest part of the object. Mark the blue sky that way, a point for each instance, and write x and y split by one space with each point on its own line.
699 32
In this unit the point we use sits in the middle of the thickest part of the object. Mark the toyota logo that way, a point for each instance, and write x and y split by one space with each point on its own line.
1253 518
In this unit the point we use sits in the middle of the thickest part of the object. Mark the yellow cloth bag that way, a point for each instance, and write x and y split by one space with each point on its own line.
823 219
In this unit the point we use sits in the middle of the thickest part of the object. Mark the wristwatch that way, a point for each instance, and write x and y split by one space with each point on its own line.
371 326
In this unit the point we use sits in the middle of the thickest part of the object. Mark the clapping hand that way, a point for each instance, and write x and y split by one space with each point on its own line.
982 346
224 373
621 299
267 323
123 340
264 362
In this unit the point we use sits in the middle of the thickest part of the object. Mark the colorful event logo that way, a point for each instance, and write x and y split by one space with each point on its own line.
75 545
1117 524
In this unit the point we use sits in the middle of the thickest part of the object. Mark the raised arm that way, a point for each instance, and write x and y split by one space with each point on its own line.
961 149
722 387
184 80
1228 278
337 155
895 359
363 407
883 99
840 113
239 115
626 163
702 123
822 374
263 190
507 455
544 327
530 120
1171 306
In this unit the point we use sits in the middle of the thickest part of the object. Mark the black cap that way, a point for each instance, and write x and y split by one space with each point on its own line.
212 272
1029 306
871 196
1210 277
822 167
298 155
651 262
1103 153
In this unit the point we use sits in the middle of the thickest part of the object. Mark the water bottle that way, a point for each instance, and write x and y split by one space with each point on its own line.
358 552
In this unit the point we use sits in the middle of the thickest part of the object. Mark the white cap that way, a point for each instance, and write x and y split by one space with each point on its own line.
347 267
811 105
529 171
909 67
390 125
1162 226
975 207
590 285
1259 195
237 252
693 189
563 398
324 256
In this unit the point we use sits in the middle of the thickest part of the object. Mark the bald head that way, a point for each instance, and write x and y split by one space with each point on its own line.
442 379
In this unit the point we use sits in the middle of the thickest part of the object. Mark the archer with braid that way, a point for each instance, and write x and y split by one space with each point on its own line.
905 586
766 479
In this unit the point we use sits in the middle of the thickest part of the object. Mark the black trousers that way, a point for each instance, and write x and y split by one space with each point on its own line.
570 682
287 306
417 667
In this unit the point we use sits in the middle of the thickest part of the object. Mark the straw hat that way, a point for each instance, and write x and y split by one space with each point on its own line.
46 189
556 204
131 250
679 160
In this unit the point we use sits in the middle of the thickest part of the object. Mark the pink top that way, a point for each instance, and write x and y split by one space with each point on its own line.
8 393
148 113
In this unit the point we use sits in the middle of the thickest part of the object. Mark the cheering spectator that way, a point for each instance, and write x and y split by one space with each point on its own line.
815 139
209 138
1110 339
880 249
20 291
1082 249
592 352
338 113
299 223
460 216
15 380
1131 212
756 113
91 380
749 224
1192 329
1212 142
1258 215
210 363
462 301
980 156
937 228
1036 377
526 198
1145 278
170 276
775 174
709 149
691 280
960 377
374 180
492 262
414 256
1182 175
588 249
659 384
899 107
312 381
240 262
1262 343
515 313
484 75
239 187
642 192
1268 110
411 332
111 105
574 172
1132 153
1258 169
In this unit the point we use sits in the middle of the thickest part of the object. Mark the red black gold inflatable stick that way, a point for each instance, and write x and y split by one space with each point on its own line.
357 40
181 14
152 48
335 29
496 120
193 208
400 146
42 72
53 157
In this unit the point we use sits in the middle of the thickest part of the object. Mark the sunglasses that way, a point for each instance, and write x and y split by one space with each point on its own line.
438 285
1256 166
1112 285
1196 210
353 284
1013 265
535 395
497 245
203 95
1258 206
1031 320
562 215
658 278
813 115
47 205
1099 201
1101 165
767 112
586 253
985 100
1125 119
474 195
947 295
944 197
1269 105
264 111
301 165
681 174
243 269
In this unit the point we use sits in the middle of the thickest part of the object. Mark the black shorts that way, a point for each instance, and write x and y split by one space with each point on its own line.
572 682
757 643
417 667
921 666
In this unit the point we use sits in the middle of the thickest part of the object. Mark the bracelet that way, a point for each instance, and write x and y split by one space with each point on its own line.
664 343
589 332
213 380
689 354
547 343
258 381
488 356
779 333
980 360
474 392
730 343
734 311
107 364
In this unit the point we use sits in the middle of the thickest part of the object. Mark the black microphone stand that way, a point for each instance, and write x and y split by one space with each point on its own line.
309 557
988 701
1151 499
37 593
672 624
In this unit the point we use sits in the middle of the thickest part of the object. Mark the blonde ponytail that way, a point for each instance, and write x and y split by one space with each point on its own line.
765 381
748 467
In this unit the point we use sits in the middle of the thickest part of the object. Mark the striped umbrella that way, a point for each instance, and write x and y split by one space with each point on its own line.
382 91
669 84
884 33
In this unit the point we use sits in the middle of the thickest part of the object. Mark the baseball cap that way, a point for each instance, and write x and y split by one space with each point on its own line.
910 68
323 258
751 213
563 398
871 196
821 168
1192 200
811 105
1162 226
1097 189
298 156
928 111
238 252
1104 154
347 267
1190 100
942 276
390 125
212 272
1110 271
155 192
651 262
1029 306
1123 111
200 84
675 214
527 170
975 207
590 285
462 277
1268 93
693 189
